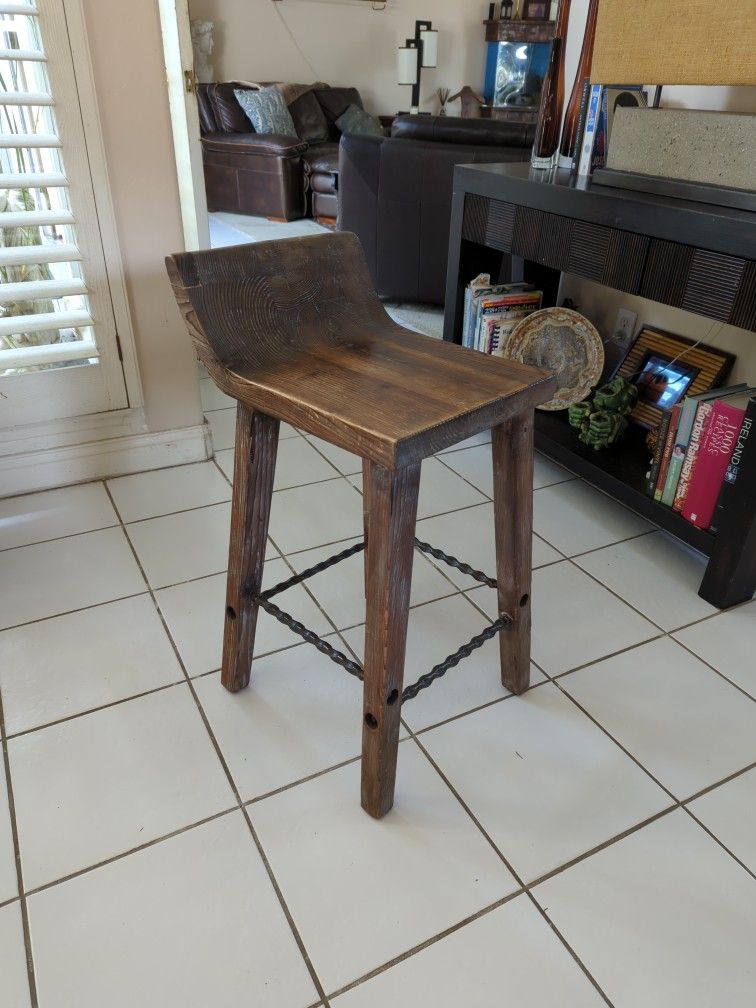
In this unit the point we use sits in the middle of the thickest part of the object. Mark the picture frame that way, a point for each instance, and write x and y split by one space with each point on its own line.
666 368
535 10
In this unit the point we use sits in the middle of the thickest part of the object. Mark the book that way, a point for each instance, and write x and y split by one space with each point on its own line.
703 412
478 288
743 456
661 437
500 327
498 308
714 453
581 123
684 427
669 444
589 133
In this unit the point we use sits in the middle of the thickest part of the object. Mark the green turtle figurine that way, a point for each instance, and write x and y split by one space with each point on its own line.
603 420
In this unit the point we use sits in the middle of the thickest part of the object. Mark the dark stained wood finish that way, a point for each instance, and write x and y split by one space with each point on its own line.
295 329
682 252
254 469
512 450
366 464
393 509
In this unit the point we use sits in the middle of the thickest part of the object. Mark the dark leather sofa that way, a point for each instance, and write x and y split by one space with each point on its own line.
395 194
271 175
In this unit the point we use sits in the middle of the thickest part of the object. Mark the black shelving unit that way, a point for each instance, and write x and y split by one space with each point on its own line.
618 471
515 222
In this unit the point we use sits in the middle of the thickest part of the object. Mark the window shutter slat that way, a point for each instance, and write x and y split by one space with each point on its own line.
27 98
40 323
39 290
35 218
32 180
14 140
54 353
24 255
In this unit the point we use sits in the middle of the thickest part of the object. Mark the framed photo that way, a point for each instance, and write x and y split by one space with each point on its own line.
666 368
535 10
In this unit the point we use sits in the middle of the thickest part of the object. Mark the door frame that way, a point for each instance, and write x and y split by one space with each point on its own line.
178 57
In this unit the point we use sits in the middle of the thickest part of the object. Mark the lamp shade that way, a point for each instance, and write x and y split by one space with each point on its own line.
652 42
406 64
429 38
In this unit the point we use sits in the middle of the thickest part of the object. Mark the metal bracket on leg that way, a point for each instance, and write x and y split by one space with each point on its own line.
352 667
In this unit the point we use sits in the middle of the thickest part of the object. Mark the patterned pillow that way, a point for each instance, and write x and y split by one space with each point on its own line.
356 120
266 110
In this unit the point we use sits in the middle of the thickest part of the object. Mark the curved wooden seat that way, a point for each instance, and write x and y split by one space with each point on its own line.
294 328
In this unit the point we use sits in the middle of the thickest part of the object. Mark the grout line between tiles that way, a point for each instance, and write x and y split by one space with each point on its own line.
525 887
433 940
235 791
31 978
60 538
132 850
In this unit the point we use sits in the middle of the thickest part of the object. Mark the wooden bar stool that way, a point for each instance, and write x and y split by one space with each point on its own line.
294 331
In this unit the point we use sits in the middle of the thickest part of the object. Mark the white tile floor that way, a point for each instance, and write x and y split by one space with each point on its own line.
591 842
165 843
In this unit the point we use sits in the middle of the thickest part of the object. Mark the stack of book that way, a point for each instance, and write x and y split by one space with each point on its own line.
703 446
492 311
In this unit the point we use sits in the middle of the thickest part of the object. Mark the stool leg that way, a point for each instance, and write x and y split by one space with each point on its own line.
512 444
393 510
366 511
254 468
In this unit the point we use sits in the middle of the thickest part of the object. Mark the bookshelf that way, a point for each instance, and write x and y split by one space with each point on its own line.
516 223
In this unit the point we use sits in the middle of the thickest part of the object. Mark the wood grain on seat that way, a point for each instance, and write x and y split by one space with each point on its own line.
293 328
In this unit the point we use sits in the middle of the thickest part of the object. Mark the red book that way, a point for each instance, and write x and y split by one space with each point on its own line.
714 454
703 412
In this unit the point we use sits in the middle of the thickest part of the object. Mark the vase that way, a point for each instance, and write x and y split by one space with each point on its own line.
570 127
546 140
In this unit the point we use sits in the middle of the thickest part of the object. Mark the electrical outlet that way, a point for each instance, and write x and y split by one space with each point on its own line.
624 328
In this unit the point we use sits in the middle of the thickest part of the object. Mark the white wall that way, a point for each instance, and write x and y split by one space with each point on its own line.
346 44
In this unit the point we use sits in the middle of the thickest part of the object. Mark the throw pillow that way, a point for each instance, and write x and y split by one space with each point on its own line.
357 120
266 110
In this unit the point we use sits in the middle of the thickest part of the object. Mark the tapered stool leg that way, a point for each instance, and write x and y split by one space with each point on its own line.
254 468
512 444
391 533
366 511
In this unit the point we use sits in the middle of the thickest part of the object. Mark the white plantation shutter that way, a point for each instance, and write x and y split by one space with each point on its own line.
49 296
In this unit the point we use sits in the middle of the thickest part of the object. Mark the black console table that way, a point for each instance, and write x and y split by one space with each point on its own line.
516 223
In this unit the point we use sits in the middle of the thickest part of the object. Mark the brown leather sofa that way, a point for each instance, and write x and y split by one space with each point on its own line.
395 194
271 175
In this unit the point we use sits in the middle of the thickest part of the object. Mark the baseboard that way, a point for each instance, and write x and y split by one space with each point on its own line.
41 469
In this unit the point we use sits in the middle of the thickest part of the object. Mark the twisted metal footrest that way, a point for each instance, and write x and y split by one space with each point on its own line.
354 668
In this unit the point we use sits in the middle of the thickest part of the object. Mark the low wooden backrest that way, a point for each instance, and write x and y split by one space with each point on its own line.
249 308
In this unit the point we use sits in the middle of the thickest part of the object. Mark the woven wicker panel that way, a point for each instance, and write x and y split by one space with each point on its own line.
657 42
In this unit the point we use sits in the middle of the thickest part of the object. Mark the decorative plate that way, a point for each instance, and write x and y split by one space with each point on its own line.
562 341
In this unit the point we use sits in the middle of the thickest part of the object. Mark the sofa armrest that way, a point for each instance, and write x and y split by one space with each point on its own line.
271 144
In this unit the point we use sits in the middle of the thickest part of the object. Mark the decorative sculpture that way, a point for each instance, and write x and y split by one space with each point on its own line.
202 44
602 421
470 102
